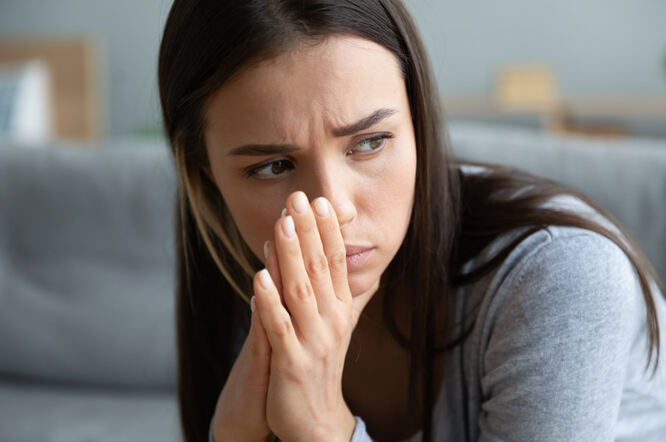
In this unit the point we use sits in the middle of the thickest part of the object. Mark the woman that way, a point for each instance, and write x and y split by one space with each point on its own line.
404 295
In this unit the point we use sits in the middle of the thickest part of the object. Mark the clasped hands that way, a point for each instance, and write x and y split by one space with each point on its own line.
287 378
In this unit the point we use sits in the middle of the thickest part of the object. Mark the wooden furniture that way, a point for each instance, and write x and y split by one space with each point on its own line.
530 92
74 75
527 87
611 110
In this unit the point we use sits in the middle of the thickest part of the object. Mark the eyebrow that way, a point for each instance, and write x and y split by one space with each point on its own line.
363 123
270 149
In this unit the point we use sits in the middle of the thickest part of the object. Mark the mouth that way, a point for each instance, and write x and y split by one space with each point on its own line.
357 256
355 250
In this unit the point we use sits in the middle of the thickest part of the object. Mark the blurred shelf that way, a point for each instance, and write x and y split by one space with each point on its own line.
73 68
595 115
594 106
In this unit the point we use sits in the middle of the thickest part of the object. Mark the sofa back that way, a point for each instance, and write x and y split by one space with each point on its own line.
625 176
87 264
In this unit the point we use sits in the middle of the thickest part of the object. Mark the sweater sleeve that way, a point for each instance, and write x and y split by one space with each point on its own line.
557 342
360 434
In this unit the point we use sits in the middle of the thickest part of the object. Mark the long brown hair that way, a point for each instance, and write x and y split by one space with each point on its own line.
205 42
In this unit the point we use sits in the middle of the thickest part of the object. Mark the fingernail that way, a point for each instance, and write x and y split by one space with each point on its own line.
283 213
265 279
266 251
288 227
300 202
252 306
321 207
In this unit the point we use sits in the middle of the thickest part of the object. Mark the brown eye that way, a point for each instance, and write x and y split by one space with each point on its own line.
271 170
373 143
278 166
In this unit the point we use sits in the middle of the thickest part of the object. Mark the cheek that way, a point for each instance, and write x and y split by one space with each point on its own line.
402 178
254 219
389 203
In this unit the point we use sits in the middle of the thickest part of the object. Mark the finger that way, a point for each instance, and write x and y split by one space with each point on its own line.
258 367
274 317
296 287
312 251
254 359
334 247
260 340
273 267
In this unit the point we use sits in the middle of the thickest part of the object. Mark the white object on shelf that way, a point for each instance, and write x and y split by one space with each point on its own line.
25 102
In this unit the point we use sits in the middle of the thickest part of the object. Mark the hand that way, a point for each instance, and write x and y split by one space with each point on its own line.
240 413
309 335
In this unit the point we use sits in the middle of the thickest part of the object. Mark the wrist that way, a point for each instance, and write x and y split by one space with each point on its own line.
341 430
350 427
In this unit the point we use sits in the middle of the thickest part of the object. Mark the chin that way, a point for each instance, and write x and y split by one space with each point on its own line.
361 285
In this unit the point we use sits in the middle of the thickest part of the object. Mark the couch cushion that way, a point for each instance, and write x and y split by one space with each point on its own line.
626 176
87 264
53 413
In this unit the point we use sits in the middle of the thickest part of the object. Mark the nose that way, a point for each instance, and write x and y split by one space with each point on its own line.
333 183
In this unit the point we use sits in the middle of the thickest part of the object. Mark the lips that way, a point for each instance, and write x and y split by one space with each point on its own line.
357 256
355 250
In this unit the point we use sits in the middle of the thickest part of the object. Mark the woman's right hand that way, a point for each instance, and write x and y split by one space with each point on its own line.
240 413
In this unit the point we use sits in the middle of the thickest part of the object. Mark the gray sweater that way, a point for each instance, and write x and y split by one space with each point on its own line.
558 349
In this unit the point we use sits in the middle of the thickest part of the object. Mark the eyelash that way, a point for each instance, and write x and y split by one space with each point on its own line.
250 172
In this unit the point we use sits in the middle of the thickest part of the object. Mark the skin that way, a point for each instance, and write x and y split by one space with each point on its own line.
312 303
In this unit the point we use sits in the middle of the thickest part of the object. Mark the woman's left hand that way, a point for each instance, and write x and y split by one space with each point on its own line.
310 335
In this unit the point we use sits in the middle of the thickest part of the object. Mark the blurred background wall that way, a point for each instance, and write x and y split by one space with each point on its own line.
602 54
126 34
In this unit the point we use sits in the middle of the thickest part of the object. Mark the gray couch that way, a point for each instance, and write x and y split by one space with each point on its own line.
86 294
87 270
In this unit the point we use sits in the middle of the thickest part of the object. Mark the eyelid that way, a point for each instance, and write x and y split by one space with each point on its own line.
251 171
383 136
365 137
247 172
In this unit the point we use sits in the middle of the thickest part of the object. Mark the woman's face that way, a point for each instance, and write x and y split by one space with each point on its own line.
331 120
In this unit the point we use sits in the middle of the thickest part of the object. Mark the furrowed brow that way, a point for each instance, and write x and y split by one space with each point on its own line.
262 149
364 123
272 149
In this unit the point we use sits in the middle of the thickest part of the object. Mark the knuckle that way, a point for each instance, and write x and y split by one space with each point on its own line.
323 349
317 264
302 291
338 260
283 328
339 325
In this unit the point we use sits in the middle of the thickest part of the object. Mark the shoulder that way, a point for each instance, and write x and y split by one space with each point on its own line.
555 273
553 336
571 258
565 259
563 272
555 331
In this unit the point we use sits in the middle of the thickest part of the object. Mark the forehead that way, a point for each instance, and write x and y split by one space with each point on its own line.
329 84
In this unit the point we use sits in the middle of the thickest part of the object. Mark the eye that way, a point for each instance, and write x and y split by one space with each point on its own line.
270 170
373 143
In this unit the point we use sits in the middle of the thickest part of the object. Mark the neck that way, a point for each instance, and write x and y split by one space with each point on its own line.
372 326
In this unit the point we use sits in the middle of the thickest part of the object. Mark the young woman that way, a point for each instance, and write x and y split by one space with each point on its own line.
405 295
